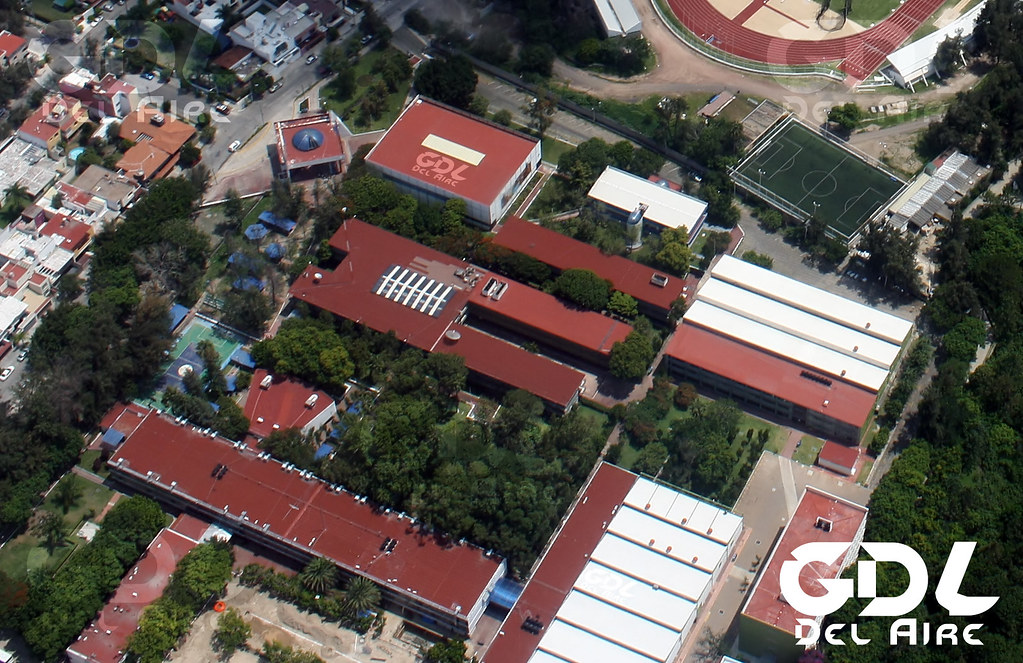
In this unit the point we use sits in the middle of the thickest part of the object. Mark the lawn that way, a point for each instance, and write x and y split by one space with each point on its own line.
865 12
25 553
347 109
927 27
628 456
89 458
808 449
45 11
593 414
865 472
776 440
262 205
554 148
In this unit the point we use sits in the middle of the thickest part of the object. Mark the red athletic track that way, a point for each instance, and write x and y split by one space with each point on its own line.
860 54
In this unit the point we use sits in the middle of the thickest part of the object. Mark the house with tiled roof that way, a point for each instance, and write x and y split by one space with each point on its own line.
58 118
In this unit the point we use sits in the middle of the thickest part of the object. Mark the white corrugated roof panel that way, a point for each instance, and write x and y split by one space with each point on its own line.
800 351
668 538
914 60
610 622
619 17
814 300
579 646
625 191
797 322
657 569
698 516
639 597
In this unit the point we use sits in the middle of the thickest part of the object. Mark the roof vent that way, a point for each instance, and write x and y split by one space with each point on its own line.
668 549
856 348
453 334
276 426
158 119
259 420
659 280
843 372
651 542
311 401
868 325
823 524
317 277
647 507
266 382
695 559
827 403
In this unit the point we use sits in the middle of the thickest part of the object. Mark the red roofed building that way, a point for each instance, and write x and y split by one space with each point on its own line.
58 117
653 290
436 152
13 48
422 576
838 457
392 284
309 146
74 235
104 640
767 622
106 97
276 403
158 141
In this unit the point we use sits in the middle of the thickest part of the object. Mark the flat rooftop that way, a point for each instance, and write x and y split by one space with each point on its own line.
483 156
562 252
665 206
770 374
283 404
308 140
26 164
305 513
845 521
623 578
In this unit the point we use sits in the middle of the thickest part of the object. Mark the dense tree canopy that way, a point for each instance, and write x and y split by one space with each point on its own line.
451 80
583 287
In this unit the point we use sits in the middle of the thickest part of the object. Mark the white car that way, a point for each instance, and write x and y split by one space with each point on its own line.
6 373
233 147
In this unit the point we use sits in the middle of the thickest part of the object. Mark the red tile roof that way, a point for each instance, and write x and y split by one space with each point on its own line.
513 366
232 57
169 136
282 404
292 157
370 252
765 603
73 233
839 454
10 43
124 418
550 315
770 374
143 160
401 150
563 253
306 514
103 640
561 564
73 194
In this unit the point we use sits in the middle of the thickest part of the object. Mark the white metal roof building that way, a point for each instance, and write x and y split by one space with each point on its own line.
665 208
813 300
638 596
619 17
11 312
915 62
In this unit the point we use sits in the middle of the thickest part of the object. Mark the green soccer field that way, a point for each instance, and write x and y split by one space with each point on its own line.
818 178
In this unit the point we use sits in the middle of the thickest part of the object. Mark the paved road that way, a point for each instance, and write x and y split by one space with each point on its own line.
7 386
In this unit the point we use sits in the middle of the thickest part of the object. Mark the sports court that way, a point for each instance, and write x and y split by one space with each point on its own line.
184 356
804 174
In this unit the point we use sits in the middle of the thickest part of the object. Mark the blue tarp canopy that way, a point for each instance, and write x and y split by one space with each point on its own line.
323 451
216 408
248 283
243 358
113 437
242 260
256 231
506 593
355 408
177 314
270 220
275 251
232 383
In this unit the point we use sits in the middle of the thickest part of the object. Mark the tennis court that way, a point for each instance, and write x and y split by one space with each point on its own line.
184 356
805 174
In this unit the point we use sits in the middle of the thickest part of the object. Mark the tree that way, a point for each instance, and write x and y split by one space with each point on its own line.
623 305
319 575
202 573
583 287
234 211
685 396
675 257
503 117
307 349
535 60
362 595
541 112
68 492
761 259
846 116
247 310
949 56
479 105
415 20
50 528
650 459
447 651
189 155
69 287
451 81
207 134
232 632
631 358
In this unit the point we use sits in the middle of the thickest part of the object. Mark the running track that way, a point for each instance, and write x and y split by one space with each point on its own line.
861 54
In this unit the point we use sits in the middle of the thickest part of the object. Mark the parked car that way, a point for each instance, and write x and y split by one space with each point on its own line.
311 59
22 355
6 373
275 87
109 7
233 147
148 75
366 39
223 109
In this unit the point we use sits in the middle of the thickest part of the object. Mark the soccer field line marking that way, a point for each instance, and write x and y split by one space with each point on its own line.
853 200
830 173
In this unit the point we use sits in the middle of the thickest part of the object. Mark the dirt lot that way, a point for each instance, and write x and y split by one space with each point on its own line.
271 619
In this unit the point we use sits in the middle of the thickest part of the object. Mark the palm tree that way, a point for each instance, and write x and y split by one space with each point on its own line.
68 493
319 575
50 528
362 595
16 193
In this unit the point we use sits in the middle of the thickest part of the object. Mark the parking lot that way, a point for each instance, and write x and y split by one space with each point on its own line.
792 261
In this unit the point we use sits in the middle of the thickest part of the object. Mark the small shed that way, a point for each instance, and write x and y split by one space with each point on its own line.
838 457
